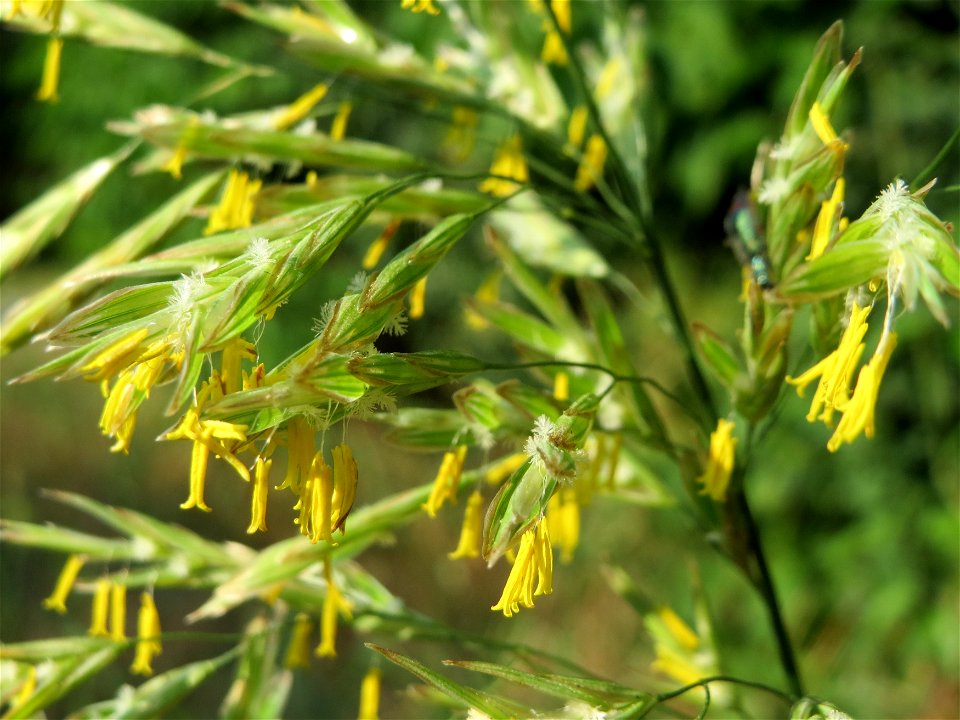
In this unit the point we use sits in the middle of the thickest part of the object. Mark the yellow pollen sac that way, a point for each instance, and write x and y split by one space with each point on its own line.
828 217
447 480
419 6
198 475
561 9
116 356
338 129
680 631
563 518
258 499
68 576
236 204
345 478
531 574
118 612
298 650
508 162
486 294
821 125
378 246
608 76
300 450
502 469
298 109
471 530
591 165
561 386
577 127
24 693
835 371
101 609
858 412
51 72
333 604
462 135
370 695
553 51
417 298
234 352
720 462
174 164
148 636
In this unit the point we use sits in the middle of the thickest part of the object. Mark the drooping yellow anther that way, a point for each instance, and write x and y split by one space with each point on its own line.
823 228
258 499
470 532
591 165
50 83
234 352
68 576
118 612
236 206
561 386
487 293
298 109
720 461
148 636
338 129
504 468
300 451
858 412
462 135
553 51
334 604
419 6
821 124
531 574
508 162
298 649
577 127
100 610
370 695
680 631
174 164
345 477
563 517
378 246
115 357
417 298
835 370
447 480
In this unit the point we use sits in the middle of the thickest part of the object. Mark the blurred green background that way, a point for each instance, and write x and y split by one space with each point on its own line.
864 544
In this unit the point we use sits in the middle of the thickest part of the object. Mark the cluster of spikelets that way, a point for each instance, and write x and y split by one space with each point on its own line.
198 334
